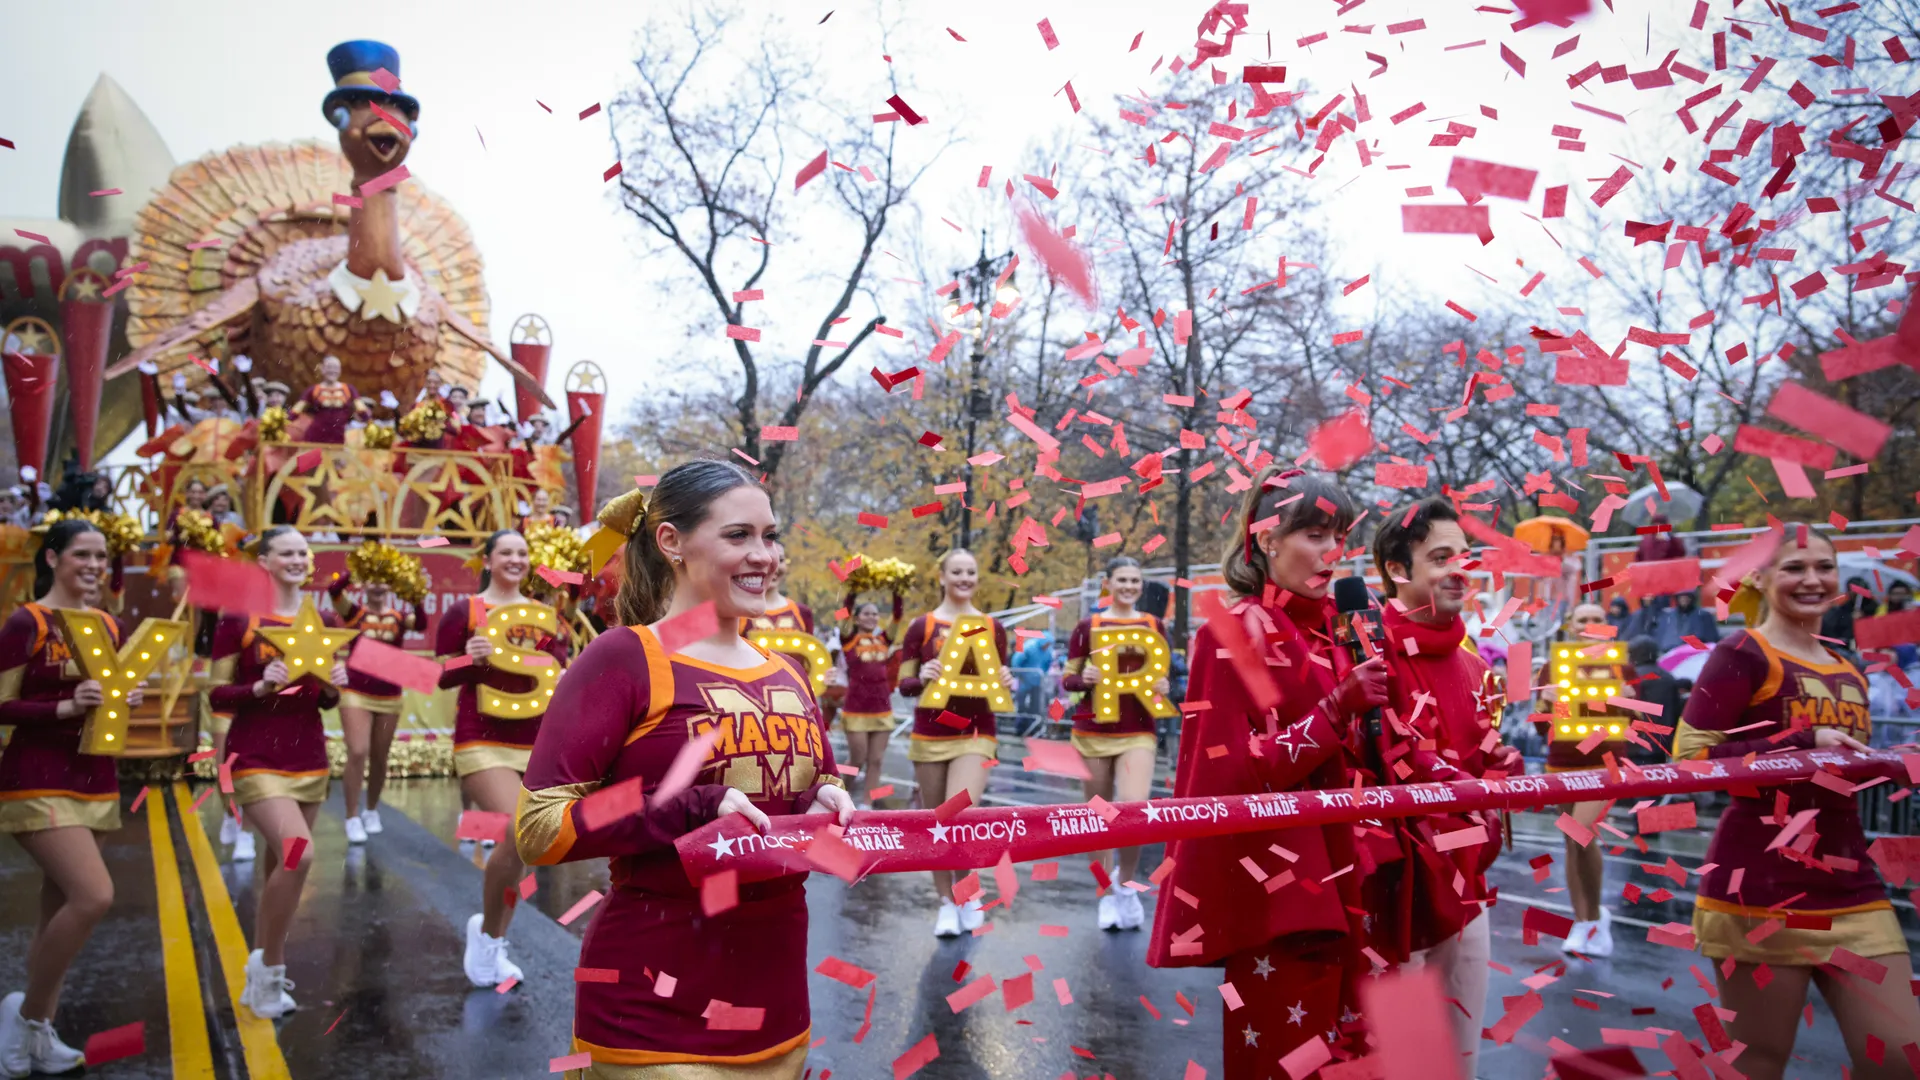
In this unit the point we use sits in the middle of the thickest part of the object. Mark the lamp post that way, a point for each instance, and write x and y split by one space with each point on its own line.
989 292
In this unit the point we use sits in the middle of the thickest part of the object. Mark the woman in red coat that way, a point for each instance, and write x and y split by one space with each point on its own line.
622 716
54 800
1264 716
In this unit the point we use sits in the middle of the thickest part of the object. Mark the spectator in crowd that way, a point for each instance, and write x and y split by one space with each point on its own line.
1692 620
1655 686
1837 623
1662 545
1899 597
1619 614
1030 669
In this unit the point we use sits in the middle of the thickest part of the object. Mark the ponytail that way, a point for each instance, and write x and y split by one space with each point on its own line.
682 498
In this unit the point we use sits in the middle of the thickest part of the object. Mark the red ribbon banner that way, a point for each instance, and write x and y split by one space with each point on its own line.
899 841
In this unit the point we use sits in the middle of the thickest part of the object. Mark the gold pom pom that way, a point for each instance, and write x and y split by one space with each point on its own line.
375 563
194 530
881 575
122 532
273 425
424 424
377 437
556 548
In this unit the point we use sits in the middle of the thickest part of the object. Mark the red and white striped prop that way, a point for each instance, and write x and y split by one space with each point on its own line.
898 841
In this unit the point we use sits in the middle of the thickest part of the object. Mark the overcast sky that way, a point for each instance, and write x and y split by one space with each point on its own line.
211 74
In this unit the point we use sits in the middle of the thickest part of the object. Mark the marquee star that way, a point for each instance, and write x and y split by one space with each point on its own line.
309 644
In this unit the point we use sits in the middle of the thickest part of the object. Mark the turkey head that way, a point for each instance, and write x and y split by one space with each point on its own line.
375 135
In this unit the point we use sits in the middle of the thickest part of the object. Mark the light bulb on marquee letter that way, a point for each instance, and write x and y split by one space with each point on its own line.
515 660
970 635
1114 684
104 732
800 645
308 646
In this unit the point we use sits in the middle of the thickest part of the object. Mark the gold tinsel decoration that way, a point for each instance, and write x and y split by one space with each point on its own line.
122 532
424 424
556 548
881 575
194 530
273 425
375 563
377 437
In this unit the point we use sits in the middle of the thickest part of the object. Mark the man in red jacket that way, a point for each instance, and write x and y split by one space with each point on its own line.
1442 724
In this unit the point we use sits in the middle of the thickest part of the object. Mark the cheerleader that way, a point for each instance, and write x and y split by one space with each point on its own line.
1287 949
626 711
946 760
370 707
332 404
1118 750
1592 933
866 717
783 612
54 799
279 748
1772 917
489 752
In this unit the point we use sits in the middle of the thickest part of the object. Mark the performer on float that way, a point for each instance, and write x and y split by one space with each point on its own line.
490 750
540 510
624 713
866 717
1592 933
370 707
1783 914
279 748
1286 950
55 800
1445 707
1118 742
956 741
333 405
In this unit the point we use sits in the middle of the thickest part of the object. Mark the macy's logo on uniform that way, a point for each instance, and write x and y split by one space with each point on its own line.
973 832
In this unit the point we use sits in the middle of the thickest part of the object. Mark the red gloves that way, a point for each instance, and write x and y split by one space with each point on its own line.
1365 687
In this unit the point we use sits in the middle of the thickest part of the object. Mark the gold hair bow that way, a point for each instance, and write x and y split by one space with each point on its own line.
617 520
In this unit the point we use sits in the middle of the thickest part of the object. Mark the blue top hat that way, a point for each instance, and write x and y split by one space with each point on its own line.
352 64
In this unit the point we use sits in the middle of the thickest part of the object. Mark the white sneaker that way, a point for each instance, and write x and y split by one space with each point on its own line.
1577 939
503 968
1109 912
243 847
972 916
370 821
1600 942
16 1042
947 923
229 831
1132 913
48 1053
486 846
486 959
466 849
266 988
356 832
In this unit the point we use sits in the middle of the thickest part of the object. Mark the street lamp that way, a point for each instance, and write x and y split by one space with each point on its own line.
988 281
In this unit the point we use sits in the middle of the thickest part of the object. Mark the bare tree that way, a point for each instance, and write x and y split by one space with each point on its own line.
702 141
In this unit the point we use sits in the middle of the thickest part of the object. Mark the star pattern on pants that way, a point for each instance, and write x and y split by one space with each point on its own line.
1252 1036
1262 968
1297 1013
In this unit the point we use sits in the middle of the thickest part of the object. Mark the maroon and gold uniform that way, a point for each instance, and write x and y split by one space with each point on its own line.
623 711
389 627
1753 699
332 406
483 742
933 740
277 743
45 780
1134 726
792 615
869 704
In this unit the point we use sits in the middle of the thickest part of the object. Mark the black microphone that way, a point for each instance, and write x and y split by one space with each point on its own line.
1350 598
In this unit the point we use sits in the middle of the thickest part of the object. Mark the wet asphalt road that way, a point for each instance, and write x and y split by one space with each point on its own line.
375 956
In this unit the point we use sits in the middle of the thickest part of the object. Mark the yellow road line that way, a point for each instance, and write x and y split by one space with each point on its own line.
186 1019
258 1040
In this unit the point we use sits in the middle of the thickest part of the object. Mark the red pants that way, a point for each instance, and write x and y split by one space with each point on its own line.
1287 998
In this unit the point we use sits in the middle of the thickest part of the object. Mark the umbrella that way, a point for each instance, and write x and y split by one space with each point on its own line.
1685 662
1683 504
1538 532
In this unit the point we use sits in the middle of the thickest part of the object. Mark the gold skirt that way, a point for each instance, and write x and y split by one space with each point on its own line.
925 748
101 813
867 721
373 703
1723 933
1103 746
302 787
479 757
787 1066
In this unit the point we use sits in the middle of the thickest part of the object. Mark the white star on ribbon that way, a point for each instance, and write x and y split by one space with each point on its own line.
1296 731
723 847
940 834
1329 798
1153 812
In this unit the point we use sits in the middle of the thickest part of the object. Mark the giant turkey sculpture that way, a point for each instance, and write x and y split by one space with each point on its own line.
244 252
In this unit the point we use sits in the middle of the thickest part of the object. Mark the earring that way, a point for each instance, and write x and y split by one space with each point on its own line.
678 561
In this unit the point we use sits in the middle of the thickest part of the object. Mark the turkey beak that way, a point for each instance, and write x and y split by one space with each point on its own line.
384 140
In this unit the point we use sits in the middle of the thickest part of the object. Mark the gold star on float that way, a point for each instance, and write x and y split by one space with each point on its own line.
380 300
309 644
84 288
33 342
